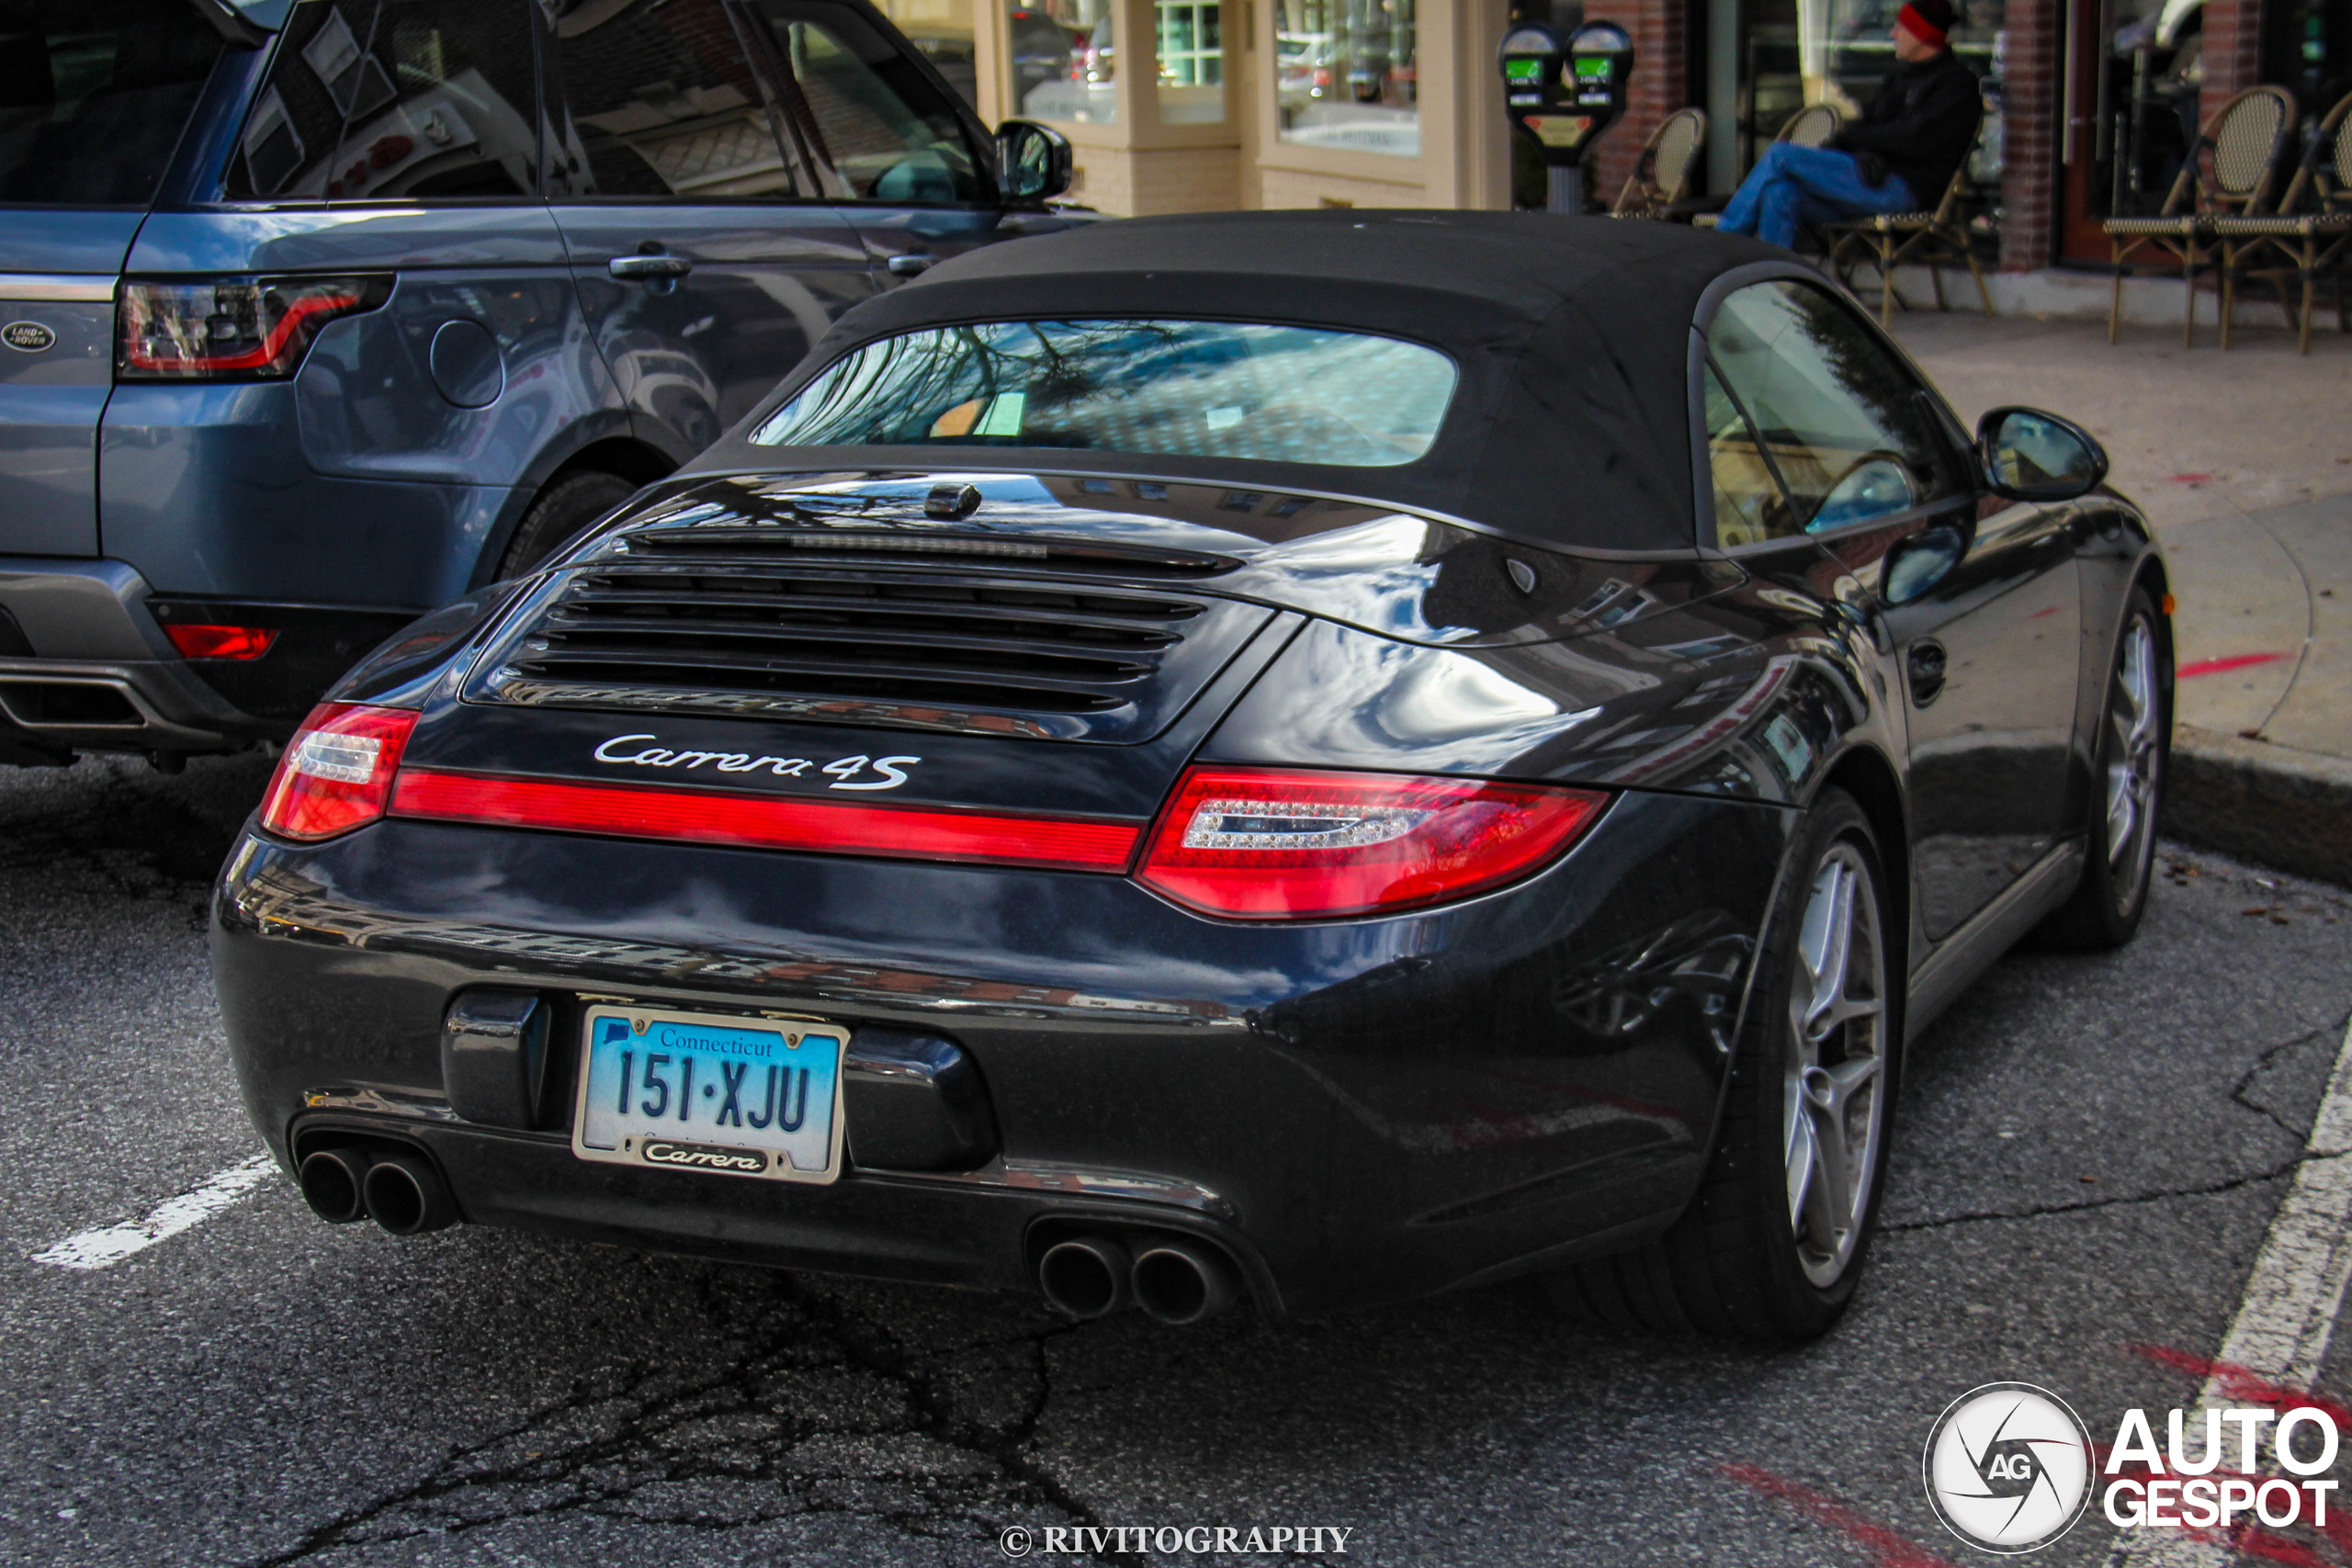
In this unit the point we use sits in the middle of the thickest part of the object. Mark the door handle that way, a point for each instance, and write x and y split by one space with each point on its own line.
911 265
1924 668
645 268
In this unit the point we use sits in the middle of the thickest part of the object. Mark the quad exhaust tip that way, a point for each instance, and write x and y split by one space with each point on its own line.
1087 1276
1179 1283
396 1187
1174 1281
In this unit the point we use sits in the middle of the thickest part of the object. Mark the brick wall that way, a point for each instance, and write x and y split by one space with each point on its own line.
2233 52
1656 90
2035 57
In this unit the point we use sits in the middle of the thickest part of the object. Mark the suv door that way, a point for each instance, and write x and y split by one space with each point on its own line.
94 96
909 160
701 242
1973 602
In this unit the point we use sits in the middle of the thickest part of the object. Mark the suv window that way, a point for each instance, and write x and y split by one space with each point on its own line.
94 95
1847 426
662 101
376 100
878 119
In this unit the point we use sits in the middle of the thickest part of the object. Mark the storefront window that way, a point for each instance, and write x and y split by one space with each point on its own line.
1191 61
1063 58
1345 75
943 30
1794 53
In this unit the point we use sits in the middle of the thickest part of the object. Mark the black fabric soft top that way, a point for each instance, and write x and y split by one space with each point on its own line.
1570 424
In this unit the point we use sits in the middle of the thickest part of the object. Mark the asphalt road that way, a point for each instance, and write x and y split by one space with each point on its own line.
2089 1153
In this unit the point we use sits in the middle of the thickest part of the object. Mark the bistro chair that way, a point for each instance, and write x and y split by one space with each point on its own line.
2227 175
1816 125
1887 240
1661 176
2312 230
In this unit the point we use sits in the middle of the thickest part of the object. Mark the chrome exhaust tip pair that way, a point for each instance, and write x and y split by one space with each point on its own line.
1174 1281
398 1188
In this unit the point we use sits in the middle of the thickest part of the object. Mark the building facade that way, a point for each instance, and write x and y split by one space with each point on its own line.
1179 105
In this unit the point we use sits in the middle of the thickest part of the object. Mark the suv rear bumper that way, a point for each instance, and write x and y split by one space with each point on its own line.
100 675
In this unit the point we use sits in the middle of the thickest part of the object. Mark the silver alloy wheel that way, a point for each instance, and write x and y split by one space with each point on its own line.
2133 758
1832 1112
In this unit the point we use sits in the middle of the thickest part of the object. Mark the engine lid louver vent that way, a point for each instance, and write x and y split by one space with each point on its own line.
826 637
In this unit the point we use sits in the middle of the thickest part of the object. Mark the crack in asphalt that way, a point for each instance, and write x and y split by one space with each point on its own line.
2262 1063
665 1427
2228 1184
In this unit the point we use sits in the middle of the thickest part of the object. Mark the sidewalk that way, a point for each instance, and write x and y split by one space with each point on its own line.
2243 462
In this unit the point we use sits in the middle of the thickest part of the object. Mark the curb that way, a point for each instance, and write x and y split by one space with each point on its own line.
2288 809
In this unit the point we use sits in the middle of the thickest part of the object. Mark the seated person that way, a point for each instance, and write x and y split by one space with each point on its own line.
1897 158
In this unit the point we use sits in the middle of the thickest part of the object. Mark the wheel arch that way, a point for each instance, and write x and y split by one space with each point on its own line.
1866 773
624 457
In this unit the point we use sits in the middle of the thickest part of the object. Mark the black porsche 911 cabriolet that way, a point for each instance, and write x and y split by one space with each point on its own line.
1309 758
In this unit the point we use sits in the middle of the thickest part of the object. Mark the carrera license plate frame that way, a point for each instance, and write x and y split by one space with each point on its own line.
638 1066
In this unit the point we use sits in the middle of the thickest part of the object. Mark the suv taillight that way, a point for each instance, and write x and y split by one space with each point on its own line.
336 773
1264 843
238 330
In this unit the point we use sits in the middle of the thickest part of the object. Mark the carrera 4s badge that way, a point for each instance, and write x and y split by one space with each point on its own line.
843 771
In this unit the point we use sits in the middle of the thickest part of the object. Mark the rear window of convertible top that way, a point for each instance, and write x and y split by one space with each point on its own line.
1187 388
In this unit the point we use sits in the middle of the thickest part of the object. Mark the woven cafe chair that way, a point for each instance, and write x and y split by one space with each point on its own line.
1812 126
2311 231
2227 175
1887 240
1661 179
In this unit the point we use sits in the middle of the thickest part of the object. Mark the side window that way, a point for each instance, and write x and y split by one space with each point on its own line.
1846 423
376 100
93 97
660 99
1750 506
888 129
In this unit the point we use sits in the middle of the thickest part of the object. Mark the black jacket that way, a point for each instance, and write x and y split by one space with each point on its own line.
1922 123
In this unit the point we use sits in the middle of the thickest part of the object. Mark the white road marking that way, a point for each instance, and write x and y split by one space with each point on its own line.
109 1245
2287 1313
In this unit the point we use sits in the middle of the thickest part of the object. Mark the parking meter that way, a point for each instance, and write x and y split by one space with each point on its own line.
1566 93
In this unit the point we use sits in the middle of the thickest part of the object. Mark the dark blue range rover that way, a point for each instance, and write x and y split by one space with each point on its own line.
316 314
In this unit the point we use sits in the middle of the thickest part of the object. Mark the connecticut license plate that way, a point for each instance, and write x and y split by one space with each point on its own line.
698 1091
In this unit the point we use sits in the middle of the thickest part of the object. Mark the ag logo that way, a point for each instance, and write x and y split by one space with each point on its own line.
31 337
2008 1467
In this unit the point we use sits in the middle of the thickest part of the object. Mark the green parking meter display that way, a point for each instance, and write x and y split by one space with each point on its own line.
1565 93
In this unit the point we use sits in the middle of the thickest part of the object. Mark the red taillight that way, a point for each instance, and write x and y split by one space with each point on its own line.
221 642
246 330
337 772
896 832
1263 843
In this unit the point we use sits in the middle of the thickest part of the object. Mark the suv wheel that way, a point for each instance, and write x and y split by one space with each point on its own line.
562 511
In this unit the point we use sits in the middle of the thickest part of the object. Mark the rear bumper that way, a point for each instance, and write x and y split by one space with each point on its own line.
1357 1111
100 674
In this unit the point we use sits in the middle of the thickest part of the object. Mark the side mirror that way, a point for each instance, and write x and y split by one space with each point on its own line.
1032 161
2031 455
1916 564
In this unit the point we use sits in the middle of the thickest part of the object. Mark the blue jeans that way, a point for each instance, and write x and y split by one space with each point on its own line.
1792 185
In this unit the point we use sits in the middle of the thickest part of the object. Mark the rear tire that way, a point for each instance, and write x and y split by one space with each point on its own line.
2127 790
1770 1247
560 514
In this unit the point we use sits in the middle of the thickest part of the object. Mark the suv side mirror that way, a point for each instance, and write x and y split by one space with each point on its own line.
1032 160
2031 455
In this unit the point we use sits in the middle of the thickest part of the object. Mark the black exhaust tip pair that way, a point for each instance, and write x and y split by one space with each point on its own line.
1174 1281
398 1188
